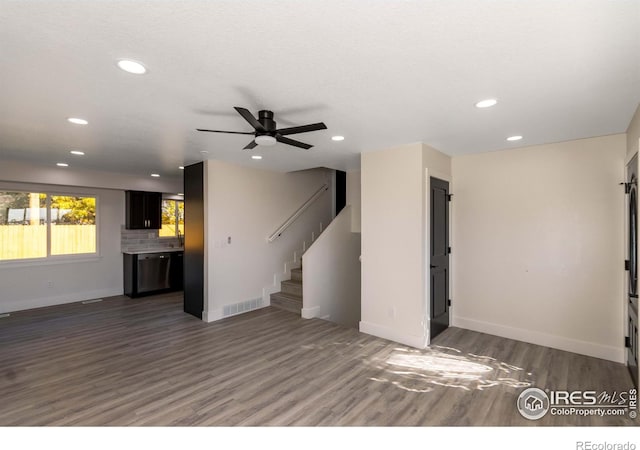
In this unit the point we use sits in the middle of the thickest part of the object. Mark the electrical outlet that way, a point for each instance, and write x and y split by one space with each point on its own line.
50 283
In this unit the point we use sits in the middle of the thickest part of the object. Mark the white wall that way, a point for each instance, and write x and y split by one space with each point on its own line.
331 274
248 205
26 285
392 245
395 232
538 244
353 199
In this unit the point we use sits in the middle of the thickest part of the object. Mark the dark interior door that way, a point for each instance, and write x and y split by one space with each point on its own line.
439 270
632 267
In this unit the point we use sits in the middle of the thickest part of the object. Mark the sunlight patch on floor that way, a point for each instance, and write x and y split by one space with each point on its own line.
422 370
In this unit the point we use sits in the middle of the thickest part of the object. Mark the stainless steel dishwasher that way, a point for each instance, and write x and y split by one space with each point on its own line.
153 272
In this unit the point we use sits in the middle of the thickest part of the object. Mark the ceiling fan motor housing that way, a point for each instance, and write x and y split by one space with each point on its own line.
265 117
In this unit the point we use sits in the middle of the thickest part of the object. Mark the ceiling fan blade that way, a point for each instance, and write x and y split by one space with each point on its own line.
302 129
288 141
250 145
249 118
220 131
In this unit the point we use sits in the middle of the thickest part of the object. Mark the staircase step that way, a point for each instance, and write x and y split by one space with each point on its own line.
293 287
296 275
288 302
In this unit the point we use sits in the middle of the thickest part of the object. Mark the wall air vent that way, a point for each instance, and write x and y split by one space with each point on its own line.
242 307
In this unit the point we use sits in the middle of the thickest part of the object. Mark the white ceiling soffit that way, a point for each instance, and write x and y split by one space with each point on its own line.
380 73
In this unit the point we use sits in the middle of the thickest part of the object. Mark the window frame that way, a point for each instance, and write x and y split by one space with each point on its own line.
49 258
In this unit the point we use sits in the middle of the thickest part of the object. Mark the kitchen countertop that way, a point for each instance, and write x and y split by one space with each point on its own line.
156 250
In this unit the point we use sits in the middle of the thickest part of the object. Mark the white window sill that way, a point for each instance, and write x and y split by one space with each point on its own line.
50 261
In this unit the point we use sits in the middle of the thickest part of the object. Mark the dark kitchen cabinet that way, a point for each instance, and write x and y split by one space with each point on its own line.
143 210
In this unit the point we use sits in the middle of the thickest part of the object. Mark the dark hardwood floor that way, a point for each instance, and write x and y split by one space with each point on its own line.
145 362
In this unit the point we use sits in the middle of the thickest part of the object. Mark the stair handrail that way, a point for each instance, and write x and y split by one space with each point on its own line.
298 212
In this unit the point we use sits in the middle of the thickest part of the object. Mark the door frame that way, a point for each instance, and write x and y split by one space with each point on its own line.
626 308
426 256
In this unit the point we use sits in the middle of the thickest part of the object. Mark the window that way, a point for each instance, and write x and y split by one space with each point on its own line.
39 225
172 218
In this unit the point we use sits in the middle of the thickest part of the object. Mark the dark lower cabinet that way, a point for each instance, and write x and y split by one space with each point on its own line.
152 273
176 272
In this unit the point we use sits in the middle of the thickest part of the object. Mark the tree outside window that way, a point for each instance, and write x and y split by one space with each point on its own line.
172 218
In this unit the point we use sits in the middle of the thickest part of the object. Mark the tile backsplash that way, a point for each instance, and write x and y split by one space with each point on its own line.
136 240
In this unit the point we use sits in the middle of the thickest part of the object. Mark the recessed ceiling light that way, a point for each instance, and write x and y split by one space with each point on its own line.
486 103
131 66
204 152
77 152
155 175
77 121
337 138
256 157
181 167
514 138
62 164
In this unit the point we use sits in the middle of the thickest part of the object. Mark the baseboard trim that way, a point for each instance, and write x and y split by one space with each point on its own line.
21 305
310 313
212 315
390 334
266 294
547 340
218 313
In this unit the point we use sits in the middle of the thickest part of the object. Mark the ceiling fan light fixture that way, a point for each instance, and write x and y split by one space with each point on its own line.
265 140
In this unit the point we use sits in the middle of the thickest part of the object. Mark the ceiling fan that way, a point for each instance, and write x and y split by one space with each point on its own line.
266 132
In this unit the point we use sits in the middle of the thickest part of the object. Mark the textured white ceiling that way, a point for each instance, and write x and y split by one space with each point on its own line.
381 73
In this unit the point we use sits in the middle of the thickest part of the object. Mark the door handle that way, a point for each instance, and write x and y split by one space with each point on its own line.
433 267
